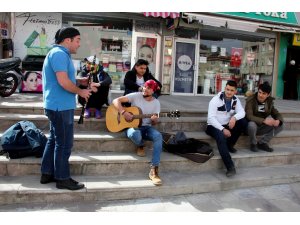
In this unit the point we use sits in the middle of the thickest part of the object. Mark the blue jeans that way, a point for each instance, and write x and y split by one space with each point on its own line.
223 142
55 159
138 135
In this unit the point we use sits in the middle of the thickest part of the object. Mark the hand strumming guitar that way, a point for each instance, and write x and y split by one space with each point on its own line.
128 116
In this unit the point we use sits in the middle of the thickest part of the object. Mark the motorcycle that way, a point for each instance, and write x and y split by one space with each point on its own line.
10 75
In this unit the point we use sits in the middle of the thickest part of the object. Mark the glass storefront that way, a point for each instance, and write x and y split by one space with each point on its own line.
111 46
244 58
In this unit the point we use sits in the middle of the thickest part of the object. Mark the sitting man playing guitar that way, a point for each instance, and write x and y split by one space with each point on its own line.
149 105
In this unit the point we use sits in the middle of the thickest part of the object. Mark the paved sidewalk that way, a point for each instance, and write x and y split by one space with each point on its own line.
276 198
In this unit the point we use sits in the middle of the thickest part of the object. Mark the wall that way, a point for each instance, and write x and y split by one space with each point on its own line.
34 32
284 42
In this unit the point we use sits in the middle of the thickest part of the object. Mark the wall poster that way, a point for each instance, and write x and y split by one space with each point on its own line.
35 32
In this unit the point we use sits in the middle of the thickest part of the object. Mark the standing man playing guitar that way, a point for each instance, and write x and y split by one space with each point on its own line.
149 105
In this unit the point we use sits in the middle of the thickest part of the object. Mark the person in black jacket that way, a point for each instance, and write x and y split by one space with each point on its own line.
134 79
98 99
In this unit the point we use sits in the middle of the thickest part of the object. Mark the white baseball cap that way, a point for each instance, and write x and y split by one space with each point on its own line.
91 59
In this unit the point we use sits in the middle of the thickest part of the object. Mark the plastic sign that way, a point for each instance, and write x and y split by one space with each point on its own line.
277 17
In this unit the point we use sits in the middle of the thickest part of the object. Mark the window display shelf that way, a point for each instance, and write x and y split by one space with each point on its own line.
167 64
112 52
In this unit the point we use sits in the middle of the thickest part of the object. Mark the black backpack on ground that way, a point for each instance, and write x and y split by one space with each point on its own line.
190 148
23 139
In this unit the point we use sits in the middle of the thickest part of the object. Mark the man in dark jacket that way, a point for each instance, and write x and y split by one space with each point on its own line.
264 118
134 79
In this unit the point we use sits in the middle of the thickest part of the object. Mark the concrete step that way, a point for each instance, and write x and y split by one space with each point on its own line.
92 124
112 163
37 108
283 138
166 124
27 189
118 142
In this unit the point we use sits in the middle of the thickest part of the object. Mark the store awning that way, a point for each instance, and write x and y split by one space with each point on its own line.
162 14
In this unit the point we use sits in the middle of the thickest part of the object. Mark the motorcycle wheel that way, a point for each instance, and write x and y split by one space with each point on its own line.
9 84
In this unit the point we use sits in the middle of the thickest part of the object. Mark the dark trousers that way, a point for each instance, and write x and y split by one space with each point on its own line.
223 142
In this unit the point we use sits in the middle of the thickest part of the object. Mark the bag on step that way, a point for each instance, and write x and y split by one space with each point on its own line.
190 148
23 139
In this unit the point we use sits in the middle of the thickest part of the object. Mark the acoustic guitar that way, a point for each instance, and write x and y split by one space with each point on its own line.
116 122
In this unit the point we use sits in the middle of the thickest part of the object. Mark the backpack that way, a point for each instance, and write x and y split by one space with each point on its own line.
23 139
190 148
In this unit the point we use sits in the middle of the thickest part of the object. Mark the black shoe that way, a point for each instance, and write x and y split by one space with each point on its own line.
231 149
253 148
74 181
230 172
264 147
69 184
47 178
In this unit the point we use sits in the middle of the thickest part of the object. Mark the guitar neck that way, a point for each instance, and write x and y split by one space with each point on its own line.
141 116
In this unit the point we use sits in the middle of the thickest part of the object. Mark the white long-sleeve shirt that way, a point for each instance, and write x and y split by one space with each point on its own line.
217 112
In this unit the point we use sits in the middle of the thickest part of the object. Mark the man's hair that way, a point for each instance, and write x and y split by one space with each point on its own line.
141 62
65 32
231 83
265 87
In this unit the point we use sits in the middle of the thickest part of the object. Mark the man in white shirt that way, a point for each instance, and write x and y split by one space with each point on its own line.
225 123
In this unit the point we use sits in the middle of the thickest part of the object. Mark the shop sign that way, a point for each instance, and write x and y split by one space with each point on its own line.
296 40
277 17
184 72
149 27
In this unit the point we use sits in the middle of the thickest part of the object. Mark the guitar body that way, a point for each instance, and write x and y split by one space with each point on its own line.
116 122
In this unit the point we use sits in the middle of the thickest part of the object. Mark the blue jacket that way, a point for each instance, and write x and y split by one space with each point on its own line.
24 136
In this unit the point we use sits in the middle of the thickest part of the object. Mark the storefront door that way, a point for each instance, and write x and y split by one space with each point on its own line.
147 46
184 67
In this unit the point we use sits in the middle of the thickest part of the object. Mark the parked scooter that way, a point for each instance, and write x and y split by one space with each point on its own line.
10 76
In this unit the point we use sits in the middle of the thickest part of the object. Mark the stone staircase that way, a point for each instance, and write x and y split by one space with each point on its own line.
107 164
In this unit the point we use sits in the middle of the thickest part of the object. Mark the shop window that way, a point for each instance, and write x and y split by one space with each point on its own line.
246 59
111 46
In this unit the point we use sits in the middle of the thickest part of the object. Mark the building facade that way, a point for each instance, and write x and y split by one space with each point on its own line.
190 53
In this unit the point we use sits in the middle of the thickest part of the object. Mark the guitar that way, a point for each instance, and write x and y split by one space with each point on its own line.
116 122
